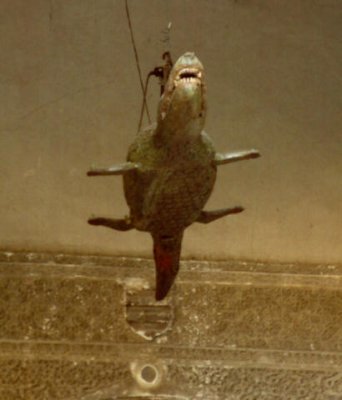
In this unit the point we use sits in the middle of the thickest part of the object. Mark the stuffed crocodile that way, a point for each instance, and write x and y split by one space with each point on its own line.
171 170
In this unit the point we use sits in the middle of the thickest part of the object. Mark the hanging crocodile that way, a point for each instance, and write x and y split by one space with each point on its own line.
171 170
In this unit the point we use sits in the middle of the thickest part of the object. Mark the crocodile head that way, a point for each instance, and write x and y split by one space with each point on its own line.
182 107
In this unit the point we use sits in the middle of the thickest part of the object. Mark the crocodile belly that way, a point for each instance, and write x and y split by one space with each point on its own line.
176 197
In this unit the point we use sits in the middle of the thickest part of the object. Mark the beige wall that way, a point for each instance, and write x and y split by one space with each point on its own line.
70 97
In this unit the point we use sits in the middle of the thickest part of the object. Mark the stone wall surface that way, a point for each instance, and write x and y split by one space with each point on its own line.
81 327
70 98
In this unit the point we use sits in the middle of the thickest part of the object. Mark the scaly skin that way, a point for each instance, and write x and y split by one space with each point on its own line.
171 187
177 174
171 170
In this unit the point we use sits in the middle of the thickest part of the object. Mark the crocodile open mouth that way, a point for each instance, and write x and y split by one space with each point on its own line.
188 75
185 88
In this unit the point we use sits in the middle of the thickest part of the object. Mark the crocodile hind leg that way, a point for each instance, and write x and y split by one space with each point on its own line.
208 216
117 224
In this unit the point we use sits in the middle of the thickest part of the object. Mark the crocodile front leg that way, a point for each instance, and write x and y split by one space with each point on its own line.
226 158
118 169
209 216
117 224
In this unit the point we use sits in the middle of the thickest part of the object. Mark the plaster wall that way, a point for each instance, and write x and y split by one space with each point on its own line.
70 98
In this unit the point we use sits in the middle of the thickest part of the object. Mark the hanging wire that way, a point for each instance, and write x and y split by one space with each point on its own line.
144 104
166 36
161 72
144 89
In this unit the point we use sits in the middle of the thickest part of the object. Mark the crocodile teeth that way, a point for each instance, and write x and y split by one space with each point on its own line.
189 79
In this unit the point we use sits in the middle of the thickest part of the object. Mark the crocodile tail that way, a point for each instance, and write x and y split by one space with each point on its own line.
166 252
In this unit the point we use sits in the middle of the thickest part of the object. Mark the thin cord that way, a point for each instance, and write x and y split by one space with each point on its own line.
144 103
138 67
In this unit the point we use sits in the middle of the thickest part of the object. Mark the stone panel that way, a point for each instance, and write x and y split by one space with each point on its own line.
78 327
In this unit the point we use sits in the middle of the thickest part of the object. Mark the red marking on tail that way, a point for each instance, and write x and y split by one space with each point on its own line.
166 256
